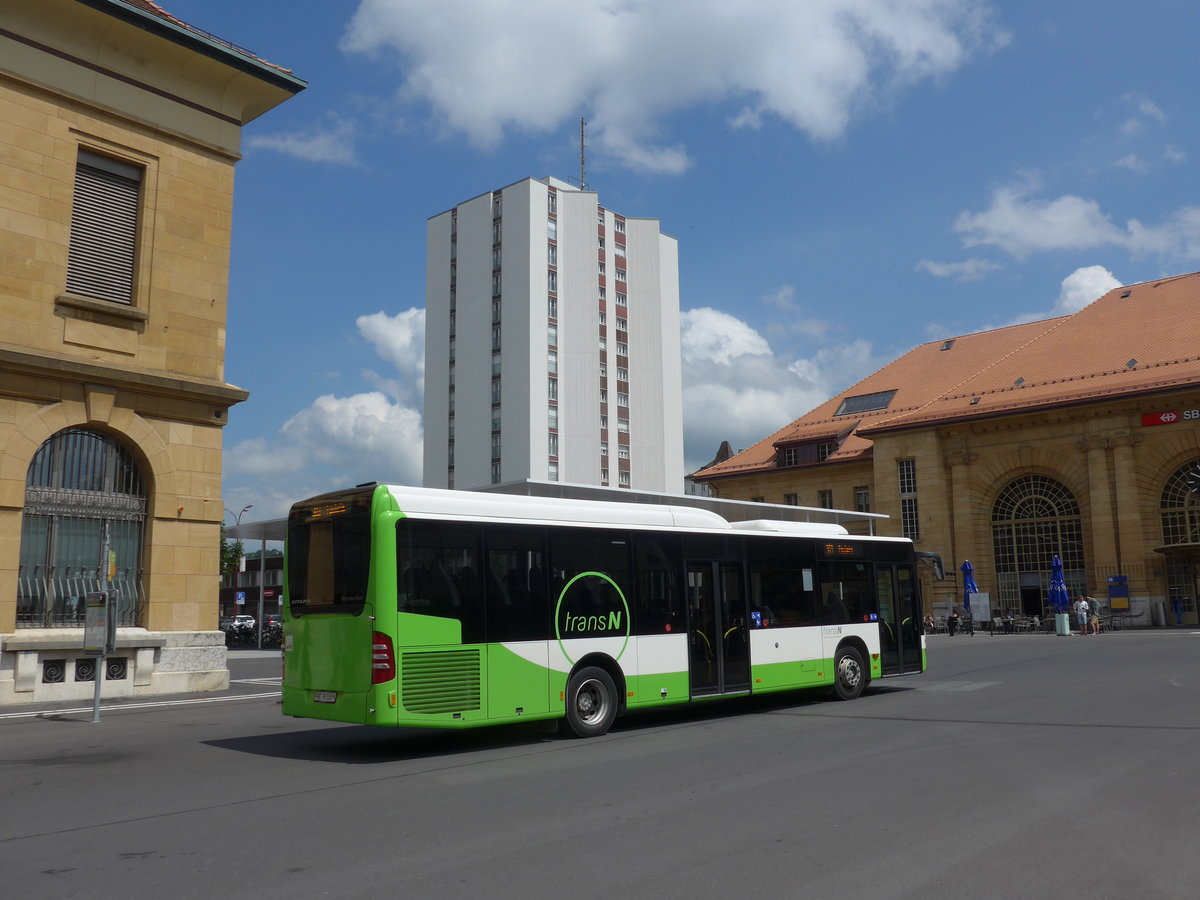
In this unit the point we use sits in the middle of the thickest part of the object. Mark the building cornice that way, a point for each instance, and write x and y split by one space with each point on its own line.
201 42
59 367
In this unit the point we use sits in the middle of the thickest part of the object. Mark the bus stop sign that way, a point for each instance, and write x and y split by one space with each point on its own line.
99 625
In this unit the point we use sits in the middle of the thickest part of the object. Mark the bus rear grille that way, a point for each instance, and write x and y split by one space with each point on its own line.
440 682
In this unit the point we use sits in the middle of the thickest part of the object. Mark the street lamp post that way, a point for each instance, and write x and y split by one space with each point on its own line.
237 520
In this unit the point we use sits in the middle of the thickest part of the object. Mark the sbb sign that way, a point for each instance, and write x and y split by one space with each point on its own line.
1170 417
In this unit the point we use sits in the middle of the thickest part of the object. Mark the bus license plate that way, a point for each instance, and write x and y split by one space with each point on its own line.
325 696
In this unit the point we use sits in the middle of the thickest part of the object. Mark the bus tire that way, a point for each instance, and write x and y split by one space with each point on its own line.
849 673
591 702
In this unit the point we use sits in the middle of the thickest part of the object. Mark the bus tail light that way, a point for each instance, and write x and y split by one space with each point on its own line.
383 658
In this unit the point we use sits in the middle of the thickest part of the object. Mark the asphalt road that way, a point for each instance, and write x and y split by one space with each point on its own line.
1019 767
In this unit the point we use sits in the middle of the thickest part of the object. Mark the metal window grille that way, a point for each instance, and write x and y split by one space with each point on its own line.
80 487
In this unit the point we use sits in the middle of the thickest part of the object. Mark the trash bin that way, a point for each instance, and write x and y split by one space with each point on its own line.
1158 614
1062 623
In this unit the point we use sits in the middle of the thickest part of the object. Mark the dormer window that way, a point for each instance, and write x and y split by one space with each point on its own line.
802 454
865 403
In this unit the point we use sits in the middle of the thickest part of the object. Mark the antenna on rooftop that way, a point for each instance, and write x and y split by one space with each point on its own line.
582 146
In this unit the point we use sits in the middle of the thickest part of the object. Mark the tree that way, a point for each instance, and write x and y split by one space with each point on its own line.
231 555
271 553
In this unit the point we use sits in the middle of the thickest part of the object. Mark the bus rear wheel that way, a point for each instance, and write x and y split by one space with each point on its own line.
591 702
849 673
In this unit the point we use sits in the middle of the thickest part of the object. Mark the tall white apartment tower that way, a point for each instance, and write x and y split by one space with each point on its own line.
551 343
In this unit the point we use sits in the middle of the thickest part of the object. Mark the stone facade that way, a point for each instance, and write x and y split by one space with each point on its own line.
140 89
1101 417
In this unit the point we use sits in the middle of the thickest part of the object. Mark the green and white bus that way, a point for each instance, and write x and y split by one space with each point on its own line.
452 609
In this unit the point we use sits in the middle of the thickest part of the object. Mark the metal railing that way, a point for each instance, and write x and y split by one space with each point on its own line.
56 596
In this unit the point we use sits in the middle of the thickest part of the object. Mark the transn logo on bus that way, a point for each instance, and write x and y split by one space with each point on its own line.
591 605
592 624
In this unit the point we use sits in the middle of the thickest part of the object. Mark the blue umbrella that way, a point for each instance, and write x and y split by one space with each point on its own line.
969 585
1058 599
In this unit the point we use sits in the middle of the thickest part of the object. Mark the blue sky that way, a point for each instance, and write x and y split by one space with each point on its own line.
846 178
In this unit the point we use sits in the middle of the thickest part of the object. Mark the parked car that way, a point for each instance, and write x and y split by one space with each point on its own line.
244 621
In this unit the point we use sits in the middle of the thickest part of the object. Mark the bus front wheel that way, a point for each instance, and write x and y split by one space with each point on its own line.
591 702
849 673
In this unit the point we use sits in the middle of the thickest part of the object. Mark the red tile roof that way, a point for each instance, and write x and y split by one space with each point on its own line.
1142 338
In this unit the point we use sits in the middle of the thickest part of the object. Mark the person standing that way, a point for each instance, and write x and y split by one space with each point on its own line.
1093 614
1081 613
952 622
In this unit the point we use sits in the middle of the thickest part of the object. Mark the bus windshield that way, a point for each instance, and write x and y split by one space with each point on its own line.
329 554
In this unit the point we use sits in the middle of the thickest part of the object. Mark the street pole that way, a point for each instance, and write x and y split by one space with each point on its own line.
105 584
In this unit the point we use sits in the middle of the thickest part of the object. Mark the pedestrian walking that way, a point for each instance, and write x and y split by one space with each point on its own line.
952 622
1093 614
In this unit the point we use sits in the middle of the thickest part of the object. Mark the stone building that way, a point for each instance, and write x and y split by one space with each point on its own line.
1077 436
120 128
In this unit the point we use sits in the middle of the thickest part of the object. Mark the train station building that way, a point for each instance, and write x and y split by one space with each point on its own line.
1076 437
120 128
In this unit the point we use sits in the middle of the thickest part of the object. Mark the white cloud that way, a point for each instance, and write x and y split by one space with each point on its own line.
783 297
1133 163
399 340
1174 154
334 143
1021 225
971 269
256 457
711 336
1150 110
737 389
489 66
366 437
1082 286
1147 111
339 441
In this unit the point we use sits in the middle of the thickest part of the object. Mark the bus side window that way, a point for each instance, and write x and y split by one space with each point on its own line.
515 584
439 566
659 604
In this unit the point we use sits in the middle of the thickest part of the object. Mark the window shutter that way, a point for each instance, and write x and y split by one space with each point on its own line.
103 229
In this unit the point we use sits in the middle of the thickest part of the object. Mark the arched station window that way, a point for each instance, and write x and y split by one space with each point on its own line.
85 512
1035 518
1179 506
1179 514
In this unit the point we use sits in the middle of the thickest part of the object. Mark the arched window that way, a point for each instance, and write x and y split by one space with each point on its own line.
1034 519
1180 505
85 508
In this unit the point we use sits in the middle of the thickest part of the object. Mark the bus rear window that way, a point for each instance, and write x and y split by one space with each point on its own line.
329 553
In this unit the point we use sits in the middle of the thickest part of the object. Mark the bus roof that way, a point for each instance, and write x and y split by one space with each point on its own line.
438 503
431 503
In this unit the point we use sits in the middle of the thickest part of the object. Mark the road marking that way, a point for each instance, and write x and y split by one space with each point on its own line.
120 706
956 686
276 680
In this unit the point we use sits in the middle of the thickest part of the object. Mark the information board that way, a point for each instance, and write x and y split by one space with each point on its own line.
99 625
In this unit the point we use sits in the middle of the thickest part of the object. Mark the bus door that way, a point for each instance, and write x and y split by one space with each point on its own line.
899 619
718 640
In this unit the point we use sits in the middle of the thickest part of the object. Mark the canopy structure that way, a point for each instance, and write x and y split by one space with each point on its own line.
266 530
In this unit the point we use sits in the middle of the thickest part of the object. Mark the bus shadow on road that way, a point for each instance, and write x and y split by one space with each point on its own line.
372 745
